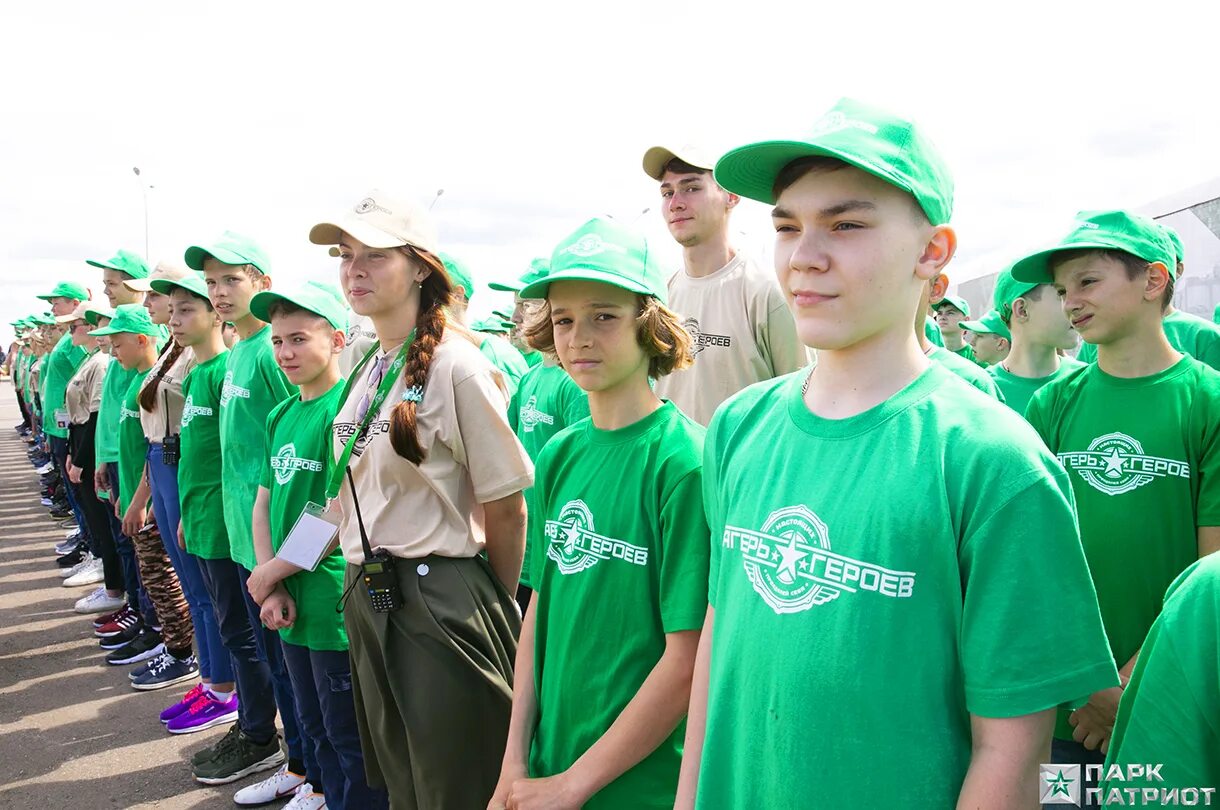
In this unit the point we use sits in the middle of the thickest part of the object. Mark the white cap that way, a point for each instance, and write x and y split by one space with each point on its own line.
165 270
381 221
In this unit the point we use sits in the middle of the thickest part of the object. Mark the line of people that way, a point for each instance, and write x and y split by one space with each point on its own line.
670 517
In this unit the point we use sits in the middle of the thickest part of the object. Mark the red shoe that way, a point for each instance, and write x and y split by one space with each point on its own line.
125 620
107 618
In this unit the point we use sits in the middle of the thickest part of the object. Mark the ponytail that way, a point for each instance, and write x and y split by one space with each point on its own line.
148 394
435 292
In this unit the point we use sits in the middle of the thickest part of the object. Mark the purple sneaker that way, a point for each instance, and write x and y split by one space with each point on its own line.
181 706
205 712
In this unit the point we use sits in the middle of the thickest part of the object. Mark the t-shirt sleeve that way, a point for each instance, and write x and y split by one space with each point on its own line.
264 467
1031 631
713 514
497 463
779 342
1207 511
95 387
1037 413
531 568
684 555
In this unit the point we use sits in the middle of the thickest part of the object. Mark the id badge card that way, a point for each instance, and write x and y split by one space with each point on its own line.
310 538
61 420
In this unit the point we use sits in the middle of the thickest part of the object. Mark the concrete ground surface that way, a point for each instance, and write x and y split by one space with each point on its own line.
73 733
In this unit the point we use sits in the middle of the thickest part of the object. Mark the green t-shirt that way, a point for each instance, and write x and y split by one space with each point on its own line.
199 473
1017 390
253 385
968 371
114 392
133 447
1143 456
1170 711
504 356
932 331
966 352
532 358
60 365
1187 333
621 560
546 402
877 580
295 464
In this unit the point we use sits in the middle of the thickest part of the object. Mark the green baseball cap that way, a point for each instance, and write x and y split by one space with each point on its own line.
604 250
124 261
989 324
538 268
230 248
957 302
67 289
309 297
459 273
131 318
1179 252
42 319
1102 230
1007 290
94 313
866 137
191 282
493 325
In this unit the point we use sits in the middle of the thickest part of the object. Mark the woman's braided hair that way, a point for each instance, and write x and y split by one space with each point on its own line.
148 394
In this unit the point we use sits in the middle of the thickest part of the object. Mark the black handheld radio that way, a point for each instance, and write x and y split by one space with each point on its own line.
377 570
171 444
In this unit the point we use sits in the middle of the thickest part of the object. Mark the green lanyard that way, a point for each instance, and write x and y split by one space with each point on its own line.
335 482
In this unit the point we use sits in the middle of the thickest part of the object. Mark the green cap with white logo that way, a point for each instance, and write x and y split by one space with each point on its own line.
989 324
866 137
124 261
459 273
604 250
309 297
67 289
230 248
1102 230
191 282
957 302
538 269
131 318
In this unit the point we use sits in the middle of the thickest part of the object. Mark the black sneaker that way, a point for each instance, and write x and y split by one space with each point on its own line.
227 741
144 646
60 511
242 758
122 638
72 558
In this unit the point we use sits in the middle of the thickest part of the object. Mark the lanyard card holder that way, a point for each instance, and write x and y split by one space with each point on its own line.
62 420
310 539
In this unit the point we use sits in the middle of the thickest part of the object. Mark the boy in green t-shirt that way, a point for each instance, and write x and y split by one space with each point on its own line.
950 313
1040 331
308 328
619 542
1139 434
991 339
539 267
817 600
234 269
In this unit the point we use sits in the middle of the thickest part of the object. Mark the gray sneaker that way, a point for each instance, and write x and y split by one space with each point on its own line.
241 759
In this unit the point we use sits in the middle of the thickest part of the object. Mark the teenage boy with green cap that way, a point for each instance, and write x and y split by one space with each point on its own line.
950 313
597 717
1137 433
969 371
307 332
496 349
539 267
1040 331
991 339
808 587
1187 333
743 332
235 268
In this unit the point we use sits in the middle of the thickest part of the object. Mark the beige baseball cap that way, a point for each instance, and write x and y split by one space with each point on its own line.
380 220
163 270
658 157
83 309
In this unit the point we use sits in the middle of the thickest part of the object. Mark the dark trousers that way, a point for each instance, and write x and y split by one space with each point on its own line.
322 681
25 411
137 597
96 518
1070 752
59 454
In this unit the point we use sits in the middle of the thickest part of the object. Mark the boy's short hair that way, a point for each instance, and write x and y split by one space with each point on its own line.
680 166
658 331
1132 264
821 163
282 308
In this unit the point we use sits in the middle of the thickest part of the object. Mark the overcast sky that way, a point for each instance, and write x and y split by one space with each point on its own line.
266 116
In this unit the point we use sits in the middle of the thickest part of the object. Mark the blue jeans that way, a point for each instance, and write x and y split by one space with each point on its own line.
137 598
59 454
214 662
322 680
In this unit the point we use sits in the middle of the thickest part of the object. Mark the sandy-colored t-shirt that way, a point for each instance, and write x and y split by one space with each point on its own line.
154 423
84 393
743 333
472 457
360 338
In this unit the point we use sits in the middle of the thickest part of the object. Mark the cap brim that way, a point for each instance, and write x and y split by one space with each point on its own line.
751 170
539 288
1036 268
976 326
165 286
105 330
655 161
331 233
138 284
66 318
498 287
196 255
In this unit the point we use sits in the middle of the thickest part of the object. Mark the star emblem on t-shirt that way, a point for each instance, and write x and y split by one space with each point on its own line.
1114 463
1060 784
790 555
572 534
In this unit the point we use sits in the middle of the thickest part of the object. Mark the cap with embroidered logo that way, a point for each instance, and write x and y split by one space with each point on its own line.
989 324
606 251
1102 230
459 273
866 137
124 261
230 248
308 297
955 301
1008 289
164 271
380 220
132 318
658 157
538 269
67 289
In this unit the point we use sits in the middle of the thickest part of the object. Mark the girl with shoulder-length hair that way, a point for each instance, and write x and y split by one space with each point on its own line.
428 475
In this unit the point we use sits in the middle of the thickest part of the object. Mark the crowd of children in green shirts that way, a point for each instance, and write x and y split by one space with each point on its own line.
550 561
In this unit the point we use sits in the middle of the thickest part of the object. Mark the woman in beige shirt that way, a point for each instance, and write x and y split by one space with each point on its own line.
437 475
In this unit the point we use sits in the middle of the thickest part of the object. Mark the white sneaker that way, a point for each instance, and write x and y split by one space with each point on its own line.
306 799
99 602
91 574
279 785
45 468
76 569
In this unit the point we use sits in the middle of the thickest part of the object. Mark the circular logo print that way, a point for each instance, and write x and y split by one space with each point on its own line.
366 205
776 568
565 549
1114 475
691 325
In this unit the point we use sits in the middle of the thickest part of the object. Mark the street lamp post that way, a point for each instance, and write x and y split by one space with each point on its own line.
439 192
144 192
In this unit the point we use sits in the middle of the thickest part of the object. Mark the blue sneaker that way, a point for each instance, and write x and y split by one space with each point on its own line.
166 670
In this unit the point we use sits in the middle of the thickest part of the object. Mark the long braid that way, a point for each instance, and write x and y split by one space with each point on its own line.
148 394
429 328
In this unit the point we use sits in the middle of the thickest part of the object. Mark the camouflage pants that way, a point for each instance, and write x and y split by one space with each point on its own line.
165 592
